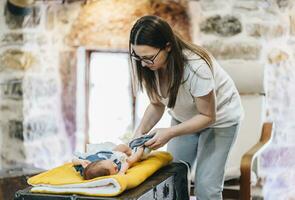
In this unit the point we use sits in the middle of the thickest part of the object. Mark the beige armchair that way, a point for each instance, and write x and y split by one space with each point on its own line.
255 134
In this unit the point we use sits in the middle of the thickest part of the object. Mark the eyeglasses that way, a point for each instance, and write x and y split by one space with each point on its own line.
149 61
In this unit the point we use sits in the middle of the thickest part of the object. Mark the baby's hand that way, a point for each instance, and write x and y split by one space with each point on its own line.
84 163
121 173
124 168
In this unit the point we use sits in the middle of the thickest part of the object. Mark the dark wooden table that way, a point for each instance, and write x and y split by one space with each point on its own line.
14 179
168 183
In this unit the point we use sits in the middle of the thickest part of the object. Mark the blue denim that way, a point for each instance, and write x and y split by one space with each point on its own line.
209 148
139 142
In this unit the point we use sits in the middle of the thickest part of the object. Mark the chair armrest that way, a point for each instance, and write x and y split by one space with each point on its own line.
248 157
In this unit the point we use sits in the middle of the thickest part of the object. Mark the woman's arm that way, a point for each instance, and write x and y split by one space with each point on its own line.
207 114
206 117
152 115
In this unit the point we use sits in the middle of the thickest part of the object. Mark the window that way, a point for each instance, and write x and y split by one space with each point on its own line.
110 97
104 99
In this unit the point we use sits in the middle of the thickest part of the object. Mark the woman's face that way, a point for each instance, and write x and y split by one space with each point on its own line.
151 57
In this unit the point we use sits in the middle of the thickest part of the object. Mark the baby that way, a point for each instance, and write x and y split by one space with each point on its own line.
117 161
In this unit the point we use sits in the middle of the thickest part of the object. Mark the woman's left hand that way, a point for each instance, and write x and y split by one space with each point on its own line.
161 137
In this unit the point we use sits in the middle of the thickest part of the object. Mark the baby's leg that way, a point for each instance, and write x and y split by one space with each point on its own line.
123 148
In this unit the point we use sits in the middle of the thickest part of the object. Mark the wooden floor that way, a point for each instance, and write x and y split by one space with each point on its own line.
256 191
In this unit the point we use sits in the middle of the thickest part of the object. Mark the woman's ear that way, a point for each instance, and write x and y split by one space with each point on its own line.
168 47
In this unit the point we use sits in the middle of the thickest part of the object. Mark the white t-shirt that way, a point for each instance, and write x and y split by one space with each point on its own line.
199 80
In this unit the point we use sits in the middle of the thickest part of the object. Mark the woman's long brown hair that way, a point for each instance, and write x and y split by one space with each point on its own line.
155 32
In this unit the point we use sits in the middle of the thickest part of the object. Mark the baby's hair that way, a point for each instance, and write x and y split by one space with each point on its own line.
95 169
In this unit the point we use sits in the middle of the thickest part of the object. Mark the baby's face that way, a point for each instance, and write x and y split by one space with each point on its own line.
111 166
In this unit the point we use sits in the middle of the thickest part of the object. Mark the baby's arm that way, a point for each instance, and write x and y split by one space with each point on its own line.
131 160
124 168
135 156
78 161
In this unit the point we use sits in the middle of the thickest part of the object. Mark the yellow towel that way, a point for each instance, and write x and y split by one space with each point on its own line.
66 180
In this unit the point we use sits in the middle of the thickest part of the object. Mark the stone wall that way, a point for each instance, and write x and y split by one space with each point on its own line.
37 84
262 31
111 29
38 69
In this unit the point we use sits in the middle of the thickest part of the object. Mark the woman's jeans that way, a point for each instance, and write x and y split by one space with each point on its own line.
210 147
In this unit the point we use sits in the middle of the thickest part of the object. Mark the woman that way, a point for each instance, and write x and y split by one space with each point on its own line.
202 100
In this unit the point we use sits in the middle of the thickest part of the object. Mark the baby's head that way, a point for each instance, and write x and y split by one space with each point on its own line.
100 168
